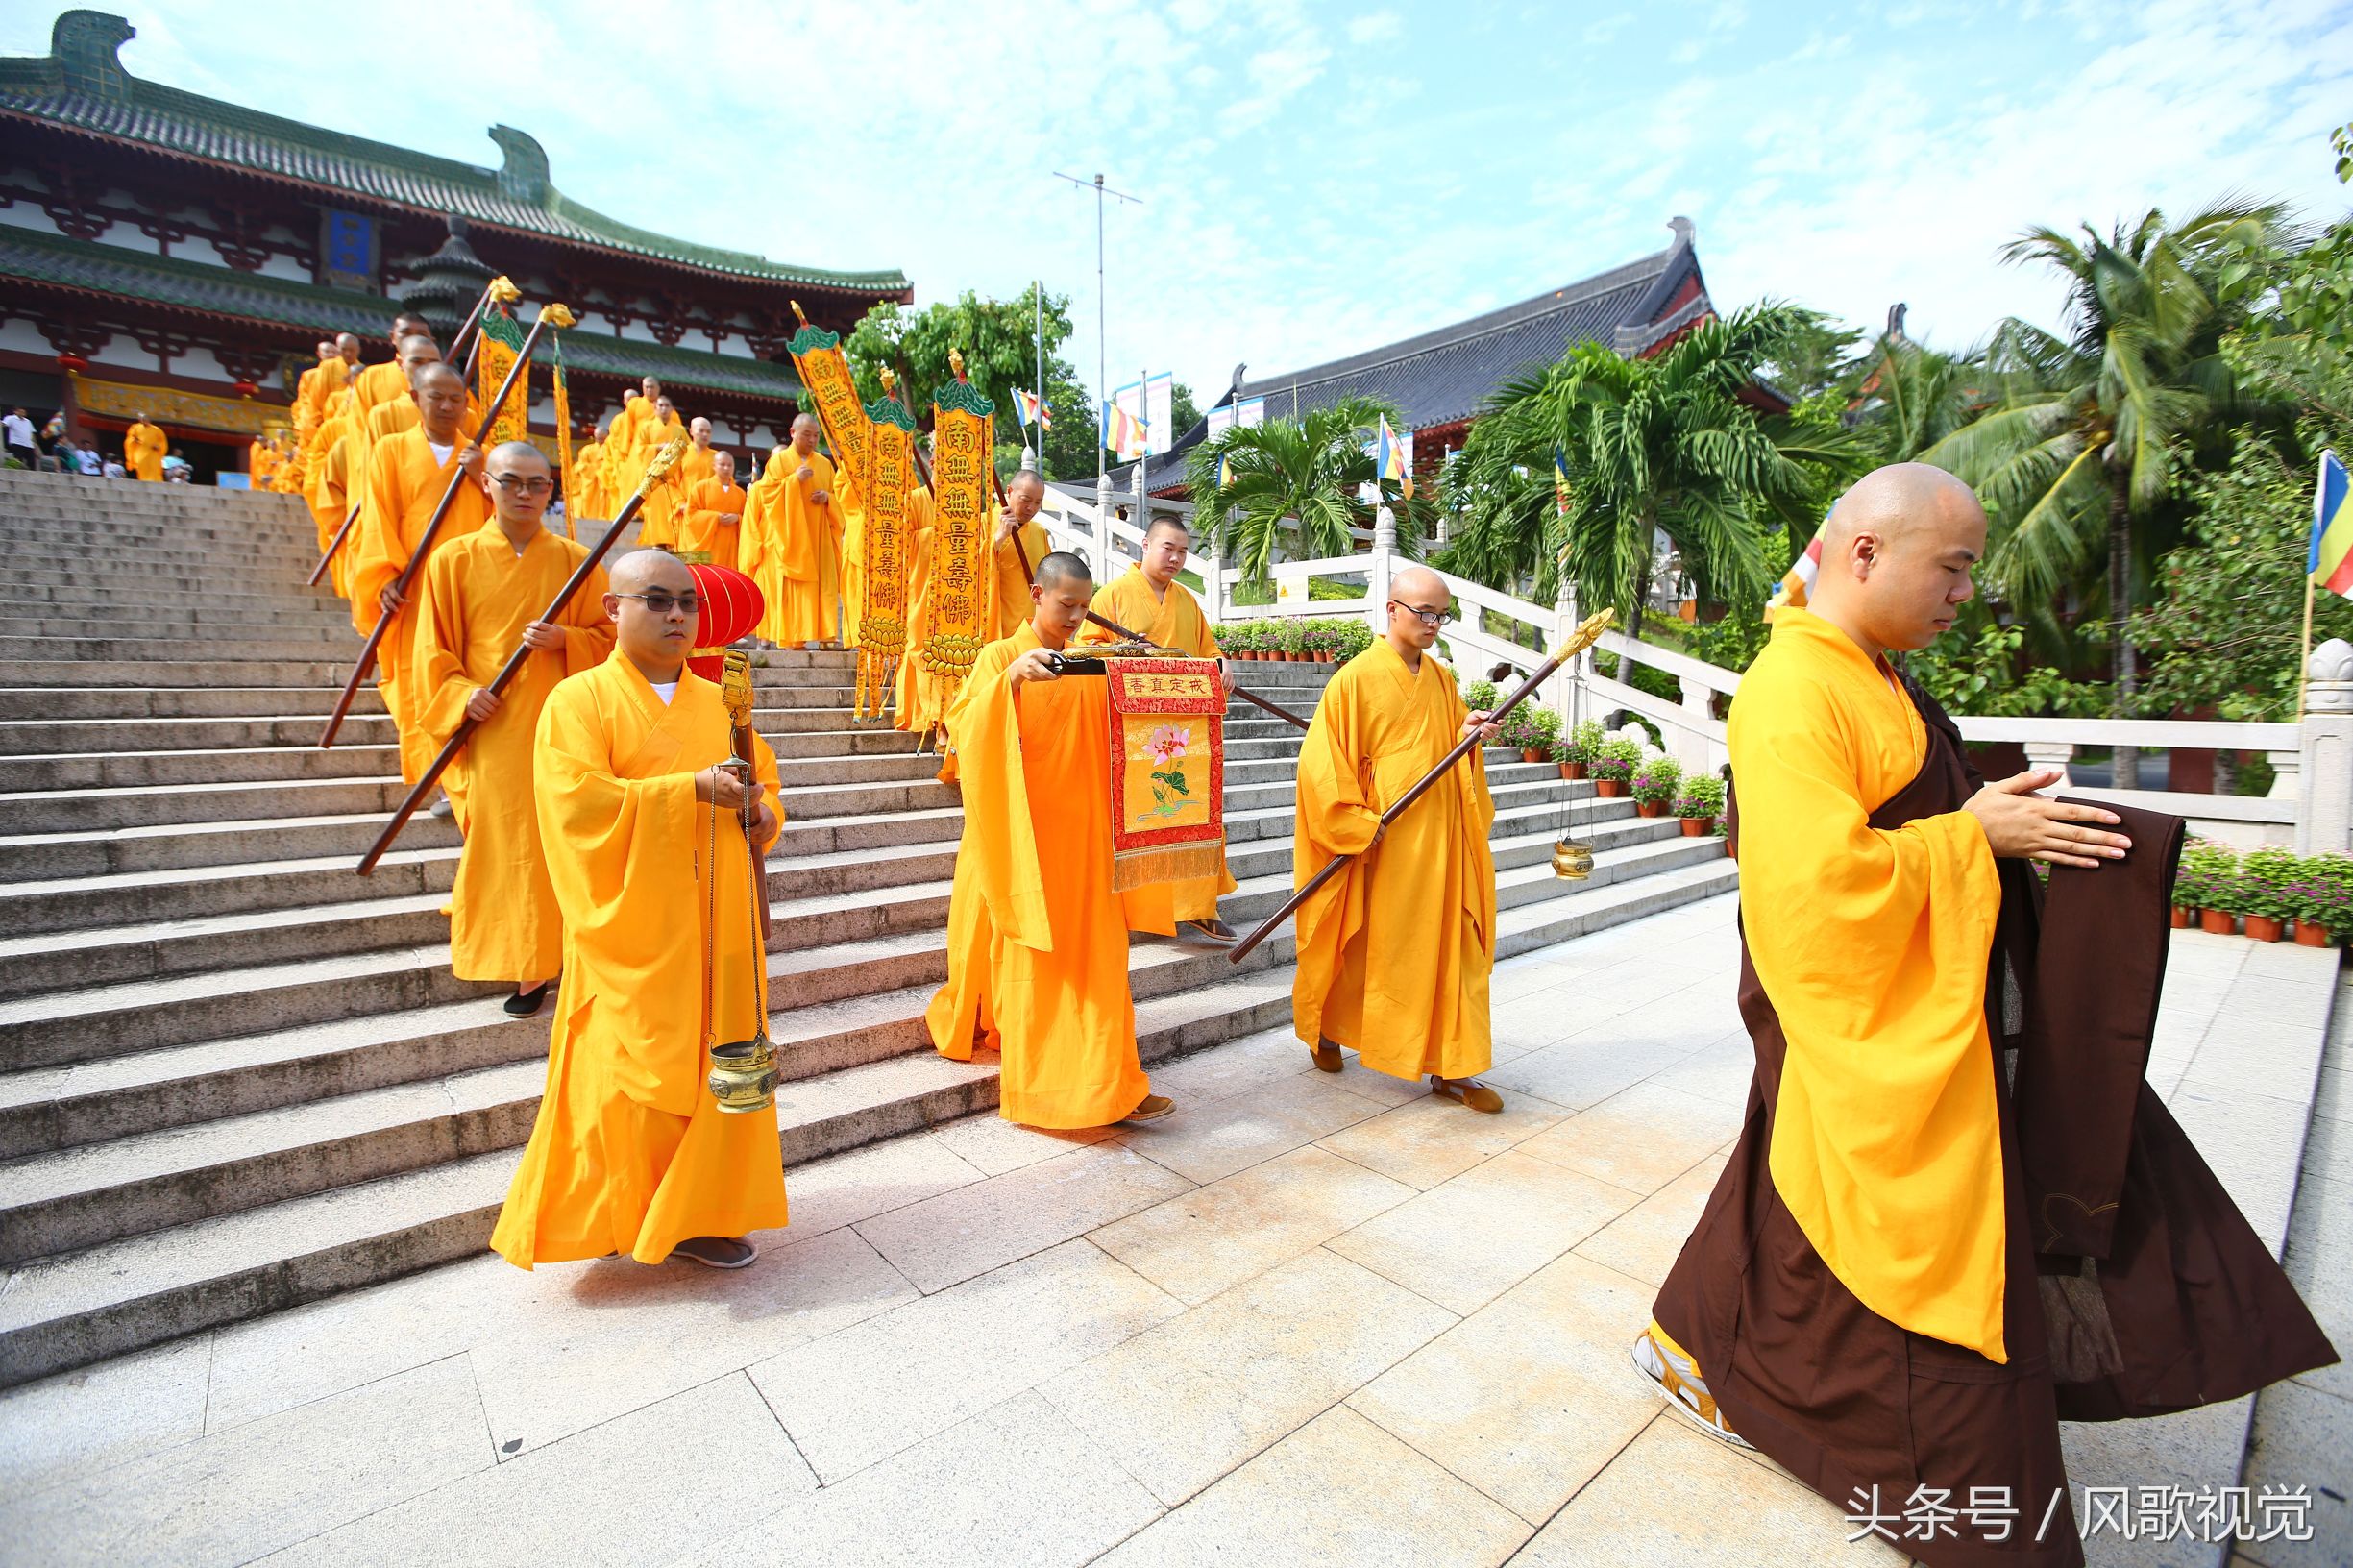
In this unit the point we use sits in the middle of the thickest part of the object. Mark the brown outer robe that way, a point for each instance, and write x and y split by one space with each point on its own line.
2184 1306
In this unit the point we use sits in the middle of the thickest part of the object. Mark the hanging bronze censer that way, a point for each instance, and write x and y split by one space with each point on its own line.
743 1071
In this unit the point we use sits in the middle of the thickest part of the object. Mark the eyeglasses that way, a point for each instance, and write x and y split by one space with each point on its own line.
1427 617
511 483
662 603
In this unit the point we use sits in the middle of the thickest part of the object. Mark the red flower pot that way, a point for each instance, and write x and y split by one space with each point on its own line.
2219 922
1572 770
2184 918
2262 928
1696 828
1650 808
1610 788
2309 935
1531 753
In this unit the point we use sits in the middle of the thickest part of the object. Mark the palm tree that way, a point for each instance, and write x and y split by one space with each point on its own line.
1910 396
1650 447
1296 482
2076 455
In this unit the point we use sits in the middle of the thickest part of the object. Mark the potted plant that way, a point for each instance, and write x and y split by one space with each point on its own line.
1613 762
2263 879
1355 638
1654 785
1544 726
1481 696
2321 899
1519 731
1287 639
1699 803
2193 877
2219 892
1578 748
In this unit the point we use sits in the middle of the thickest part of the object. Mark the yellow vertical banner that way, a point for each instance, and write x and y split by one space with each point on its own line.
502 341
882 627
963 443
824 370
563 437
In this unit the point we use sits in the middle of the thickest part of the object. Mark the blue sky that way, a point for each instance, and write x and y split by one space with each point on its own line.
1319 179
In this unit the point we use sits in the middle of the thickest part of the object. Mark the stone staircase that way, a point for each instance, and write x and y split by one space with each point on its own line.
235 1076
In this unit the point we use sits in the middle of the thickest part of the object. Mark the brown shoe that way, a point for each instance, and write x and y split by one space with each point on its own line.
1470 1092
1212 931
1326 1056
1152 1107
717 1250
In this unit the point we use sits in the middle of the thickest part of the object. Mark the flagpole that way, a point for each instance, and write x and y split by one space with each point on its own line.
2303 654
1038 298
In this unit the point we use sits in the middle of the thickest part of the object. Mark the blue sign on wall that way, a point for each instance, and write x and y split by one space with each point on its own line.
347 251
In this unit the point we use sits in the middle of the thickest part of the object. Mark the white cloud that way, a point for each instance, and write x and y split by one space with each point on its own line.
1375 27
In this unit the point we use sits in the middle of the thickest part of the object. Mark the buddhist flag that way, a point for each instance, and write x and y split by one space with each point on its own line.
1225 468
563 439
1561 481
2331 561
1390 461
1798 582
1034 410
1122 432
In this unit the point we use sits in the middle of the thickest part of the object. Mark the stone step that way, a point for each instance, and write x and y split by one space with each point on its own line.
31 598
63 623
75 811
70 1310
225 846
368 752
92 704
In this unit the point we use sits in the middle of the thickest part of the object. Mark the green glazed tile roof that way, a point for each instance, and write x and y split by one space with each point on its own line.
90 93
109 269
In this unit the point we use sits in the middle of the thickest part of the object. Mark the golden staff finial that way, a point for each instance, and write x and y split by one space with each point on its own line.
555 313
955 362
504 290
797 312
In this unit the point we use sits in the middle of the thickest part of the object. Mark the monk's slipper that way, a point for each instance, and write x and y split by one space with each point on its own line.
1675 1379
1152 1108
1469 1091
1325 1055
440 808
1215 933
524 1004
717 1252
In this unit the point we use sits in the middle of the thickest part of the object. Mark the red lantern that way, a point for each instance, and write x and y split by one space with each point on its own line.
73 362
731 607
245 390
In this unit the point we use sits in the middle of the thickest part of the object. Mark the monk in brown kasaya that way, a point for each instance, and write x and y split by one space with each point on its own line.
1956 1214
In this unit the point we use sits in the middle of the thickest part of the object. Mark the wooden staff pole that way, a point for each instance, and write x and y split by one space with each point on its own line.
513 665
497 288
332 545
1583 638
402 584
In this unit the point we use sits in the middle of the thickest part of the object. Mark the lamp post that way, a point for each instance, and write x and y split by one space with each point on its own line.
1102 371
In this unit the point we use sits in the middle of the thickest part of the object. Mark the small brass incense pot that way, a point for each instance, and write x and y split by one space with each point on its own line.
743 1074
1572 861
743 1071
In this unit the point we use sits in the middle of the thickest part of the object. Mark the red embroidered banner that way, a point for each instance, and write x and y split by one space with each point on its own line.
1167 770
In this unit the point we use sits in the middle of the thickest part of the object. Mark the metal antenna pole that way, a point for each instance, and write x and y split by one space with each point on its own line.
1102 369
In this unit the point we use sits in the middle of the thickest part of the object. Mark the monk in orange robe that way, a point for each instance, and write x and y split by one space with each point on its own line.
1882 1295
851 507
329 503
918 709
714 513
381 383
789 540
407 474
644 828
1149 601
484 597
657 521
1394 952
1037 951
584 487
143 447
1023 494
695 464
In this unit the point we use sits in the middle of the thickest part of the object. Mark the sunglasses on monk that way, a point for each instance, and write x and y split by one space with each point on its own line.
538 484
662 603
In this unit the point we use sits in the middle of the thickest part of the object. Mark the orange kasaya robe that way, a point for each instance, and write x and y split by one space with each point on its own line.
478 596
1037 951
1011 584
657 521
853 514
918 707
143 449
404 484
1174 621
584 484
262 462
1394 952
708 505
336 483
630 1153
790 547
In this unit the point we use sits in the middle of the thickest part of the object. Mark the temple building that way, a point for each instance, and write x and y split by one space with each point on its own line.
164 252
1440 379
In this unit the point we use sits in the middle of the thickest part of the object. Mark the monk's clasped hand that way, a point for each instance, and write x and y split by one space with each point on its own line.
482 706
2021 825
542 634
390 599
471 460
1478 721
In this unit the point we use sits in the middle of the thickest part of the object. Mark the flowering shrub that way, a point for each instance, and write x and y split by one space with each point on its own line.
1701 797
2209 872
1583 743
1656 781
1617 757
2263 879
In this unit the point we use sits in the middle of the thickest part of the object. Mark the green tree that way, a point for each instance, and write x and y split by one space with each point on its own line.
1907 396
1659 447
2076 460
2226 626
1813 354
1294 484
998 339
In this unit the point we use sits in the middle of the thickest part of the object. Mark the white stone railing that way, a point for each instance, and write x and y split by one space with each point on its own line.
2310 804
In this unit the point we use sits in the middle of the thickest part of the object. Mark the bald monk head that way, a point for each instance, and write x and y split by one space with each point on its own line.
407 323
651 387
416 352
663 408
651 601
723 464
605 427
700 430
1167 542
1023 493
1896 555
804 435
1418 605
441 401
1059 598
327 348
521 484
347 345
